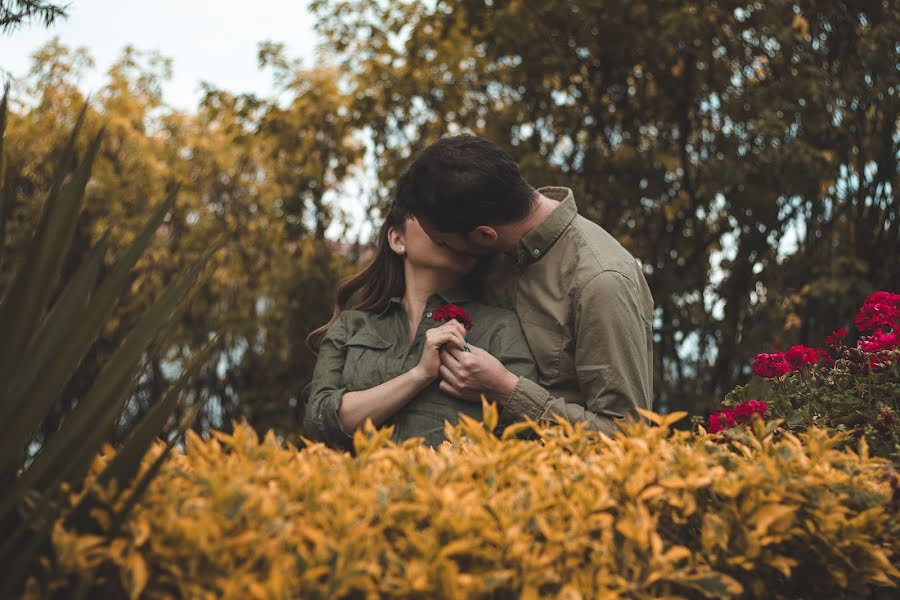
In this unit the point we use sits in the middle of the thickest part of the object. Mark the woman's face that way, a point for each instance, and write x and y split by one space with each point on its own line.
415 246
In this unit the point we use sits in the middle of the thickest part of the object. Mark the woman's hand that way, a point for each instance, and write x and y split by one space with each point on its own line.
451 334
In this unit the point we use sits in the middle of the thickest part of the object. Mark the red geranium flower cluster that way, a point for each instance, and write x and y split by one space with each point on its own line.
782 363
881 309
836 338
739 415
880 318
452 311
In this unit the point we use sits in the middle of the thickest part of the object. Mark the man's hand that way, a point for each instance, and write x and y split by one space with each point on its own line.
467 375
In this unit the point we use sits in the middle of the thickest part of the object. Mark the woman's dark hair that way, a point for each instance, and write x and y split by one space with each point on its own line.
383 278
464 181
376 284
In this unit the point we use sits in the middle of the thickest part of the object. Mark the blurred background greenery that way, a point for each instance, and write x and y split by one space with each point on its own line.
746 152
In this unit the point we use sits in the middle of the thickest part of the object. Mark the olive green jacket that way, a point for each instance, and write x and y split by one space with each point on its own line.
363 349
587 313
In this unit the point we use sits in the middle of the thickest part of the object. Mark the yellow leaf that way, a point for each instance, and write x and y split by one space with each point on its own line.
137 571
772 514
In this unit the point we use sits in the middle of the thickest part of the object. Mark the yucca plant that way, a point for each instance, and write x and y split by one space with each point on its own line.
42 343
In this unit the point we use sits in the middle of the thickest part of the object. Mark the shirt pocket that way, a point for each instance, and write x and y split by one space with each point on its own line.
545 336
367 361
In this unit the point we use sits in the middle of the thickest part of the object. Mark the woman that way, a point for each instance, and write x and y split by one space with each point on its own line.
379 359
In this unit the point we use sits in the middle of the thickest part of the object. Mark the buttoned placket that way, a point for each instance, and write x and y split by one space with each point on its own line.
413 351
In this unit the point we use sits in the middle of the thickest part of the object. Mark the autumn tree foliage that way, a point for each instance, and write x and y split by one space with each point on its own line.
256 172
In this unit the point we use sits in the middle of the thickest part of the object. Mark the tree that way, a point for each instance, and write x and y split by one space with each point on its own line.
15 13
746 153
248 170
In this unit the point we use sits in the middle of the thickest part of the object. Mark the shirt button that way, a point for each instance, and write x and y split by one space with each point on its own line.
428 314
536 251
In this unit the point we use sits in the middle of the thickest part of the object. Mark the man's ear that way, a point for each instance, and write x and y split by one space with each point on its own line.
483 235
397 240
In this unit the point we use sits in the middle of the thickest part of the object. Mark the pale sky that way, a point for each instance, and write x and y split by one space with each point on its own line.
208 40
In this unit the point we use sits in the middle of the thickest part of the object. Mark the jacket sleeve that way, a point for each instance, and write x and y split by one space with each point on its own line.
612 357
510 346
320 418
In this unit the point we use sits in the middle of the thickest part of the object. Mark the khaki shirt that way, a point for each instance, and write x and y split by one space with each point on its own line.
586 311
363 349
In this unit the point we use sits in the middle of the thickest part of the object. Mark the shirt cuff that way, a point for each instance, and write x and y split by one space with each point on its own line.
335 418
527 399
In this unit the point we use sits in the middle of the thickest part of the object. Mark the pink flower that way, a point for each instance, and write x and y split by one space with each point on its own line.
879 310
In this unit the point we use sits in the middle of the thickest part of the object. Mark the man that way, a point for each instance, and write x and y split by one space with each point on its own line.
582 299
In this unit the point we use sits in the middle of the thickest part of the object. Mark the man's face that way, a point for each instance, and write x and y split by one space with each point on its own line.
454 241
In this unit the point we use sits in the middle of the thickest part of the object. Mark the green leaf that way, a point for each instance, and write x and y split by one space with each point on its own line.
24 408
126 462
144 482
72 448
54 333
30 291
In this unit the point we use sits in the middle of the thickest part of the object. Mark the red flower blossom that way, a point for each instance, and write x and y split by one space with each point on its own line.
879 310
836 338
880 341
800 355
744 411
782 363
721 420
452 311
771 365
740 414
824 357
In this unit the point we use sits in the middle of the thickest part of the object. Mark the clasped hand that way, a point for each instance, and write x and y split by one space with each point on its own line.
465 374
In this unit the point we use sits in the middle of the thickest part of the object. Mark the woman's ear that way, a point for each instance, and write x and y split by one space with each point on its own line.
397 240
484 236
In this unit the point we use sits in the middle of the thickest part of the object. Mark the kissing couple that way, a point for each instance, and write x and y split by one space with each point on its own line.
482 284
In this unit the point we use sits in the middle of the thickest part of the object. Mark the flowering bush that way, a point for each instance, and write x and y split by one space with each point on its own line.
842 387
654 513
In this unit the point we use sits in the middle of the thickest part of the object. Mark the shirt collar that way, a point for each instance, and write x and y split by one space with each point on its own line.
393 301
537 242
457 295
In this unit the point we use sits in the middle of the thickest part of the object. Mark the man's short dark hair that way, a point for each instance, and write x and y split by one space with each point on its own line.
464 181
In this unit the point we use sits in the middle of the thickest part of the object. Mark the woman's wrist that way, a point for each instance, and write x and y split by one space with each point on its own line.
420 377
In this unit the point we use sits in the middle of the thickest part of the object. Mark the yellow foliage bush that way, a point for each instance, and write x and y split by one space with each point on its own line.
654 513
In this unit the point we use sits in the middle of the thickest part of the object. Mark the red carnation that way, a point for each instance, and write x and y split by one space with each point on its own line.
452 311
